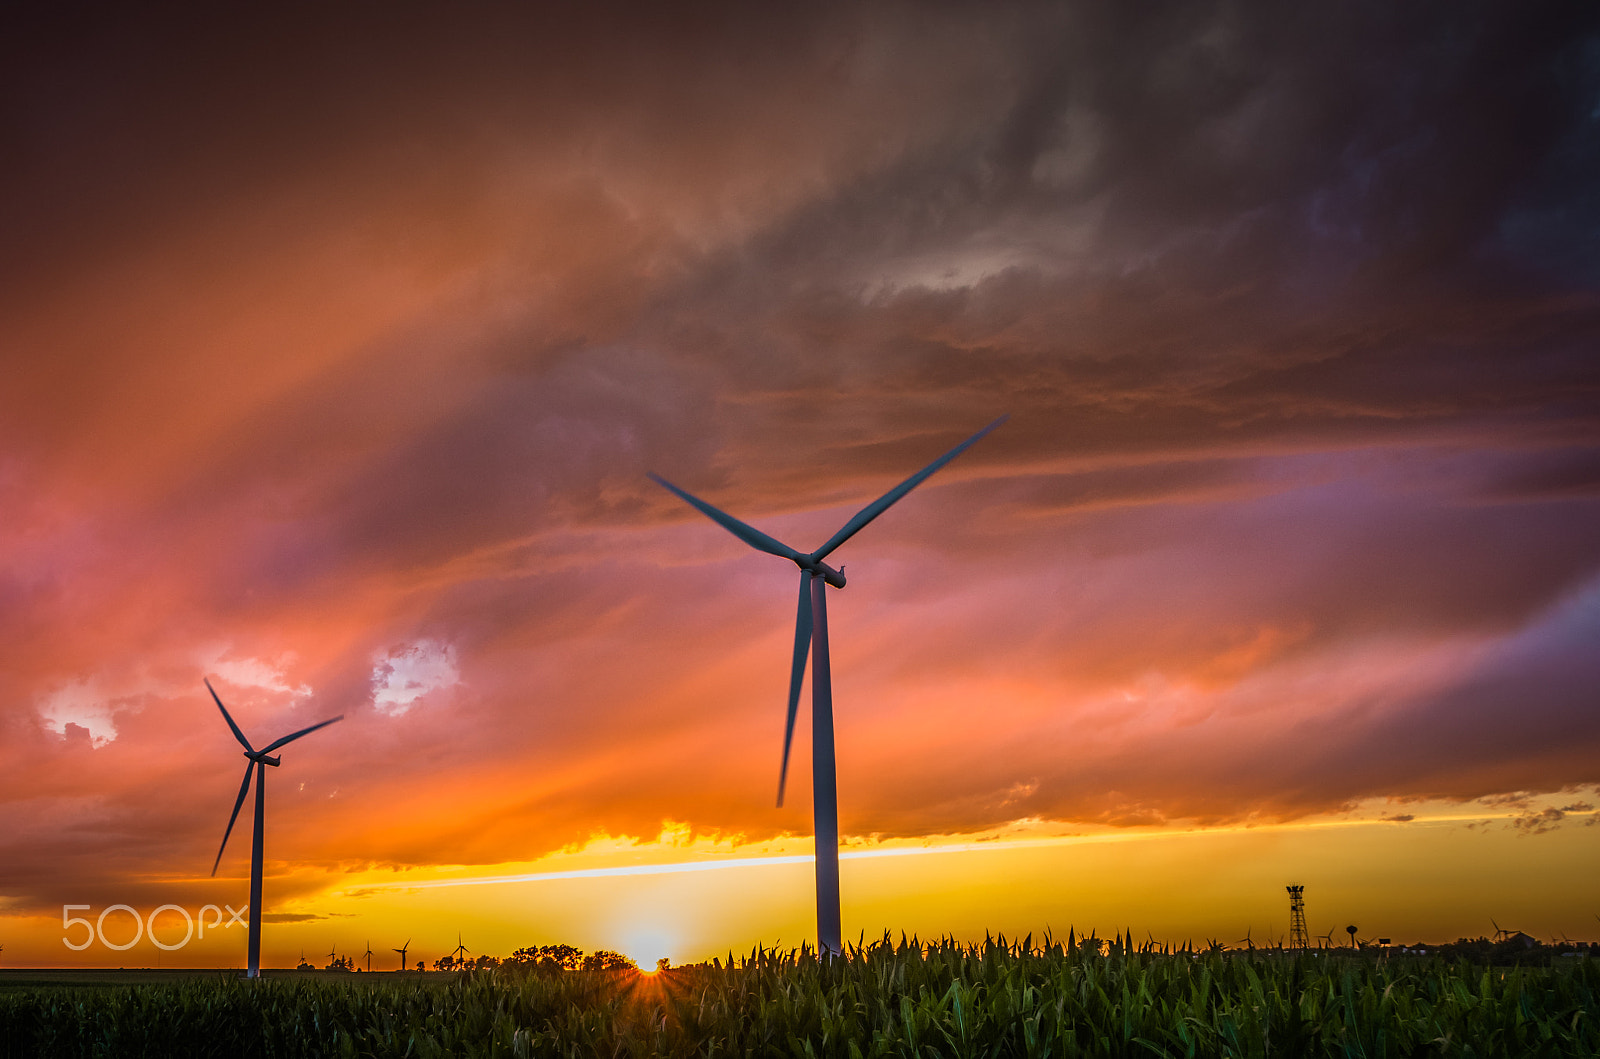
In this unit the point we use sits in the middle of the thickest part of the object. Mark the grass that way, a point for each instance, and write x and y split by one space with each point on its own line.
945 999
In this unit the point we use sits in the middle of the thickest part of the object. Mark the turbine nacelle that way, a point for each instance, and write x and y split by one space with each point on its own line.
818 568
263 759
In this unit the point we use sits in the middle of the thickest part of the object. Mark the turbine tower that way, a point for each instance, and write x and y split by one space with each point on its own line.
259 760
402 951
811 639
368 955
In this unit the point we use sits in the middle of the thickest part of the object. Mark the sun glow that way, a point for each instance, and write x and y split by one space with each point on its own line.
647 944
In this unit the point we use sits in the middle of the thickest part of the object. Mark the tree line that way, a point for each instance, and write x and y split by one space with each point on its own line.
531 957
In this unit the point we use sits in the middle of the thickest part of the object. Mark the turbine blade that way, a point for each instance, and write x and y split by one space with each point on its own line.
797 672
749 534
304 731
244 789
236 733
880 505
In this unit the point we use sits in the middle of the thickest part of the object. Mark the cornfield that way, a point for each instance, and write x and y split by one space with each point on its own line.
882 999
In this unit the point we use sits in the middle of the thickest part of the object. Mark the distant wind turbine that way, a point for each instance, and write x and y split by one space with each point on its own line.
460 950
402 951
1501 933
259 760
368 955
811 639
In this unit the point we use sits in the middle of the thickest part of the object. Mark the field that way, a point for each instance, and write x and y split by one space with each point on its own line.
945 999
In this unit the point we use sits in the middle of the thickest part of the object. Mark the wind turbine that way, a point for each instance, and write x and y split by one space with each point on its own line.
368 955
259 760
402 951
1501 933
811 639
460 950
333 954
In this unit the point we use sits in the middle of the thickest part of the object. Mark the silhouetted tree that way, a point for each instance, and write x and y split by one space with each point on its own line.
606 960
547 957
563 957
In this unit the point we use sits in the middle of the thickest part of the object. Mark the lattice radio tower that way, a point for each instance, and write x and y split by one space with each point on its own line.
1299 938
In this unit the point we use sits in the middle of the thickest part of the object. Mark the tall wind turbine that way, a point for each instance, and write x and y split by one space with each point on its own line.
811 639
402 951
259 760
368 955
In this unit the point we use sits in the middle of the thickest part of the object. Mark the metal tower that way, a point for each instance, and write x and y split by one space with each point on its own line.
1299 938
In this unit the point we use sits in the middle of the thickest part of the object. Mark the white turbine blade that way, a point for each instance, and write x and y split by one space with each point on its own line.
797 672
749 534
880 505
225 716
304 731
244 789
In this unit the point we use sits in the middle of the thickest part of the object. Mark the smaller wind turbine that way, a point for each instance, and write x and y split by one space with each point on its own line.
402 951
460 949
1501 933
368 955
259 760
332 955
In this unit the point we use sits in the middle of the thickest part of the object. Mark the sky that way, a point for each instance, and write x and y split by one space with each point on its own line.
336 345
